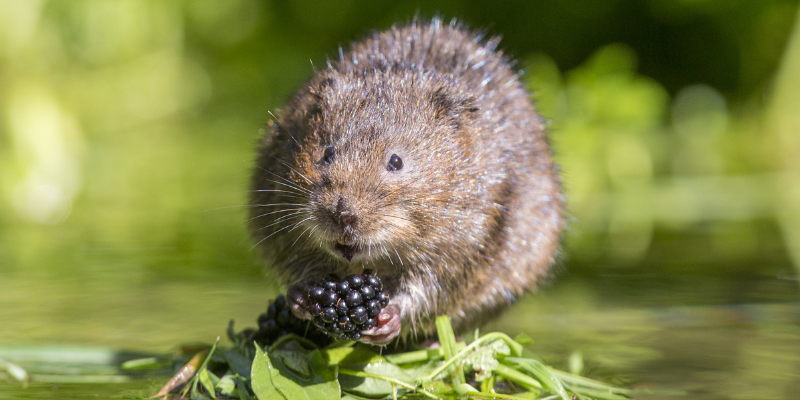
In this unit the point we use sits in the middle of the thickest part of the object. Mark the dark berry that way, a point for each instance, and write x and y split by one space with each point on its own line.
347 327
367 292
283 317
383 298
354 299
359 315
272 312
329 298
342 288
329 314
280 303
342 308
355 281
316 293
269 327
328 285
374 282
373 308
262 319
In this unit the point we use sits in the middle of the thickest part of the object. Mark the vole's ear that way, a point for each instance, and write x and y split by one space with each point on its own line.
449 105
317 90
311 115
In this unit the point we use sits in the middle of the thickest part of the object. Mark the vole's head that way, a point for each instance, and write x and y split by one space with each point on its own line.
382 160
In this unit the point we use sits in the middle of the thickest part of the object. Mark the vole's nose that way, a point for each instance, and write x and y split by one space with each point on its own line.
345 214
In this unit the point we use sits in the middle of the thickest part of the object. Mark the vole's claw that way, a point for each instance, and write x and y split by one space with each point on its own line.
297 297
388 327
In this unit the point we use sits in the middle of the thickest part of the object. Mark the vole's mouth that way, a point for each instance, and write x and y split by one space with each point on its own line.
347 250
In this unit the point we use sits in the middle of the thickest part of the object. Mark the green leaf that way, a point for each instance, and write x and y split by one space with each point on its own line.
295 361
238 362
144 363
523 339
350 356
208 383
354 397
261 378
438 387
373 387
272 379
227 385
417 356
483 360
325 384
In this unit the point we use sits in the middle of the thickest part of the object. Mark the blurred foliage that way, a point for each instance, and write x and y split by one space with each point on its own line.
127 131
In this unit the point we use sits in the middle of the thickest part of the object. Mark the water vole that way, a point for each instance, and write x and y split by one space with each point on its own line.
418 154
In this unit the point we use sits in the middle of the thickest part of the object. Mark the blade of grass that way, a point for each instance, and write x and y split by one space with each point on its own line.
601 394
513 375
543 374
447 339
577 381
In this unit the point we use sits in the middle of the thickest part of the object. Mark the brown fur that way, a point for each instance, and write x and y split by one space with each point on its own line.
473 219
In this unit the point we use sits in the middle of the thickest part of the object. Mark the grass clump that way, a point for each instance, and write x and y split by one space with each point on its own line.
492 366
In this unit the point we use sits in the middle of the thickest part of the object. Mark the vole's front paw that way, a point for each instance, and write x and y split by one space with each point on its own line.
298 300
388 327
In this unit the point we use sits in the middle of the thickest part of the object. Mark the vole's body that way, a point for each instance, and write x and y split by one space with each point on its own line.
471 220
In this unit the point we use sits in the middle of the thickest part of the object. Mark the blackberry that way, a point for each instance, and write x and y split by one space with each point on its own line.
279 321
343 308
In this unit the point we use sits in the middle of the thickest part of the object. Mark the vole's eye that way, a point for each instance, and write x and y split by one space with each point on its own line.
395 163
327 156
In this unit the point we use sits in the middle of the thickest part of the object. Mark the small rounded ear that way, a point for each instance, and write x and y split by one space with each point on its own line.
317 89
310 112
450 106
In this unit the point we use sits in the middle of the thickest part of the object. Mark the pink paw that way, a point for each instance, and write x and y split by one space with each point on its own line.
388 327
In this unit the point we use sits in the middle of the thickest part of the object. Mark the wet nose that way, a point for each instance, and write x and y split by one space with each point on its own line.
345 214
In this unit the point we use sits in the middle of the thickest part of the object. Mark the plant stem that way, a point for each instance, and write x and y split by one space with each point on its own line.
397 382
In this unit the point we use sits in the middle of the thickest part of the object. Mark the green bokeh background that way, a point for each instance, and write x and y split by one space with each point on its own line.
127 131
